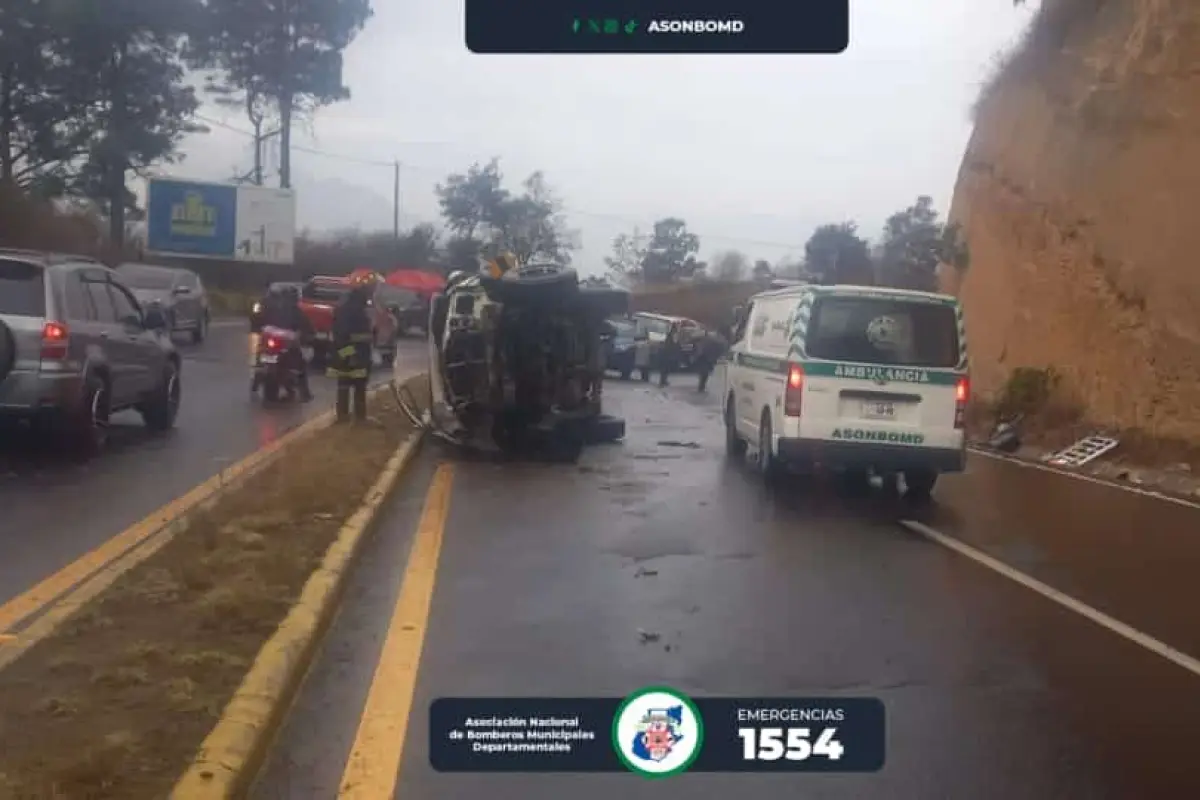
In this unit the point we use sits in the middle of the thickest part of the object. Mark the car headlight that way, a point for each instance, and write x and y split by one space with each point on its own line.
256 309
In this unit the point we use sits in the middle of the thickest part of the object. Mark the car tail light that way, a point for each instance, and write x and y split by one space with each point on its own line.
962 393
54 341
273 343
795 388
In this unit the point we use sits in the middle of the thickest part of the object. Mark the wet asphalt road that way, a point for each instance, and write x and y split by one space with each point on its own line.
54 511
547 574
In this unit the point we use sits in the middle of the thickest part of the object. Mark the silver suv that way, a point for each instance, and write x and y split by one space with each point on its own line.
75 348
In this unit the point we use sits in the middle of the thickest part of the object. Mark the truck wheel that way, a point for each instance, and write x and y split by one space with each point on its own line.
604 429
86 430
735 446
201 331
919 483
565 447
769 465
8 351
163 407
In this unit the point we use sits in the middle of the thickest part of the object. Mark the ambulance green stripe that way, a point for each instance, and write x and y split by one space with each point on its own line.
881 375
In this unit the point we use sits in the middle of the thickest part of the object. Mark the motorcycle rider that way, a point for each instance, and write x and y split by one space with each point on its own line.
352 339
284 312
257 315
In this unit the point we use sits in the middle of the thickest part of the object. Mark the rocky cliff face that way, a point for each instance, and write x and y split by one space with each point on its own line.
1080 198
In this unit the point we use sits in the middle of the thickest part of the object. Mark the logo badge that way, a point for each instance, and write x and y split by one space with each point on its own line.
657 731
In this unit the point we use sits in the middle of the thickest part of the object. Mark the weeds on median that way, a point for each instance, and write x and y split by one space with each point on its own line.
116 702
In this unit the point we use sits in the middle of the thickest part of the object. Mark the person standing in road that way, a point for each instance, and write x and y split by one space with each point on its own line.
709 350
668 355
352 338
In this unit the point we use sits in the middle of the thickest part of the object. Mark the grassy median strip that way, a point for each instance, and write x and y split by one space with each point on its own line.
116 703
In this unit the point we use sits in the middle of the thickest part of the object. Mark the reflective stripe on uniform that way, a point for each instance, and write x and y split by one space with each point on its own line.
362 337
348 374
348 351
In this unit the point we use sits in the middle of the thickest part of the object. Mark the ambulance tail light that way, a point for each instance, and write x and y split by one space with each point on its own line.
962 393
794 391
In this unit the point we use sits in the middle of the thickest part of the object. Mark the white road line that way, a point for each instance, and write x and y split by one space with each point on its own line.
1020 462
1127 632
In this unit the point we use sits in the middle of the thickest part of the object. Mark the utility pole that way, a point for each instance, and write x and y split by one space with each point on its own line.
396 201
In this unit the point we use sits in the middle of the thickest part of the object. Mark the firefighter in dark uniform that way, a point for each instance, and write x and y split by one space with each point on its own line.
352 338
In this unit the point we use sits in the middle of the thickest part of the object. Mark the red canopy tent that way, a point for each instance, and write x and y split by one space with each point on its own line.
416 280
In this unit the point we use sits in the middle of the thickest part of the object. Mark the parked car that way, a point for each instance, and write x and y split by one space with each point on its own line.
76 347
178 292
620 346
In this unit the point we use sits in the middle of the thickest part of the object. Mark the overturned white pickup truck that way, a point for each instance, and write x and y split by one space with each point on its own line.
517 361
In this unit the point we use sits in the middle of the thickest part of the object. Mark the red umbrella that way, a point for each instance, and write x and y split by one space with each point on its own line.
416 280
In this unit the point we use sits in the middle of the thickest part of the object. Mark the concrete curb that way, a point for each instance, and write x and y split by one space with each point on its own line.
233 752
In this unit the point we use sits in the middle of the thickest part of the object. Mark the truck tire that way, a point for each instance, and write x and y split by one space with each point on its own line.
605 429
85 432
8 351
919 483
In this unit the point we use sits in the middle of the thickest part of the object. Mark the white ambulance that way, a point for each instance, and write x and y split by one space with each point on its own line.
860 379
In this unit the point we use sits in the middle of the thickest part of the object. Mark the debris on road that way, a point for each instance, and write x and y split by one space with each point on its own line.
1087 449
673 443
1006 436
642 572
116 702
648 636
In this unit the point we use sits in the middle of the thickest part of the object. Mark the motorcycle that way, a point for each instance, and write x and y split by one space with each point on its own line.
274 364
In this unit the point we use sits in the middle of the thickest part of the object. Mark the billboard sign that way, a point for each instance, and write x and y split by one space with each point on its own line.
220 221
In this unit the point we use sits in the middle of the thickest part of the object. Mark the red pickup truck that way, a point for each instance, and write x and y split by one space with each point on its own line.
320 296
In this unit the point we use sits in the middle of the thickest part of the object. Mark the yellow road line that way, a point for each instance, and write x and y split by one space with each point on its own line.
374 764
25 605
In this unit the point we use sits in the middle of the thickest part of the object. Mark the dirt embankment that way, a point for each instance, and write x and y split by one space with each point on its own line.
1077 195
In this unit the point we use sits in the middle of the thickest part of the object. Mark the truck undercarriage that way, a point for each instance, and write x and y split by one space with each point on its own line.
517 362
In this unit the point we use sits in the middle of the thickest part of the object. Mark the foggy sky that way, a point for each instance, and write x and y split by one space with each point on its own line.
753 151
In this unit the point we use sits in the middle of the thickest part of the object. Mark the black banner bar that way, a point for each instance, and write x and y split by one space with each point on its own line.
660 737
657 26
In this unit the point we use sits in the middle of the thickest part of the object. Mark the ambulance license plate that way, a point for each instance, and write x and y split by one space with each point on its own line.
877 409
268 359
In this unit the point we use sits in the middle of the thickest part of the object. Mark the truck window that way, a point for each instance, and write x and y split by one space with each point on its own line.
22 291
324 293
869 330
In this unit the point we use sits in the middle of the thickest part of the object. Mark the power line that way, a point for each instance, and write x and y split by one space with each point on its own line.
392 165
